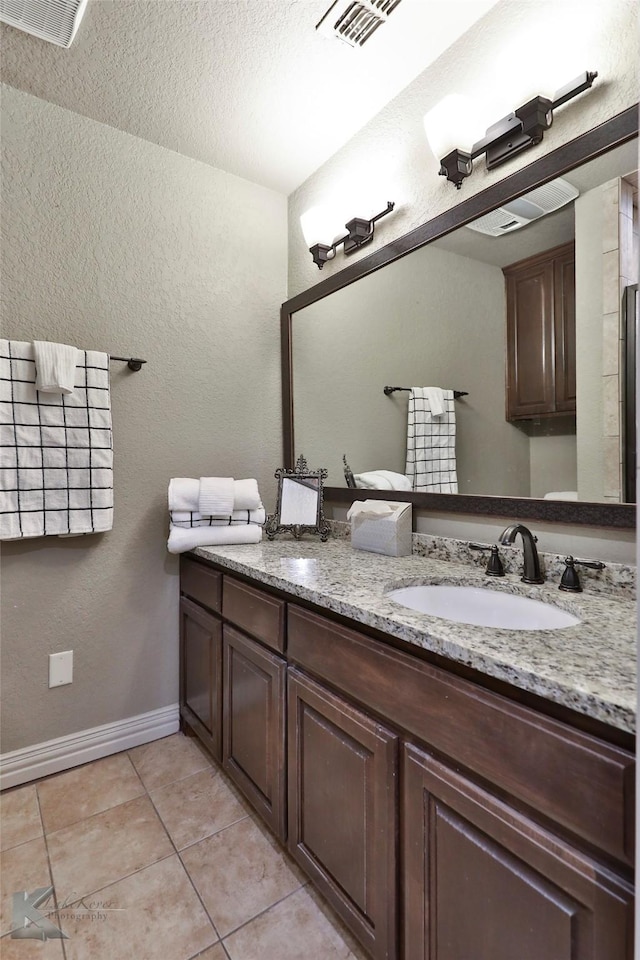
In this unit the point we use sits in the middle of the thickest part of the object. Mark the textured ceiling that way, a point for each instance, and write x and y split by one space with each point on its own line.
248 86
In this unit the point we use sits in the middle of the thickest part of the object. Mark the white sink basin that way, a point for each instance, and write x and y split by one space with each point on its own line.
483 607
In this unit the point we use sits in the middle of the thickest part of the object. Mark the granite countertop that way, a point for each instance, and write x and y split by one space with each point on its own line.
589 667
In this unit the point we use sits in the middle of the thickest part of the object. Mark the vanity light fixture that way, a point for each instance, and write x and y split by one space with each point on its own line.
519 130
359 232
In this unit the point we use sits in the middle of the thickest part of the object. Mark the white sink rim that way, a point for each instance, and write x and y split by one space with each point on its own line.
482 606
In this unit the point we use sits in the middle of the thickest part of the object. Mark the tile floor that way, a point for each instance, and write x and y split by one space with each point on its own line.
154 855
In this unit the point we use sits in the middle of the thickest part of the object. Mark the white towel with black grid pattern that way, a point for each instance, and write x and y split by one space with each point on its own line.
189 519
431 443
56 451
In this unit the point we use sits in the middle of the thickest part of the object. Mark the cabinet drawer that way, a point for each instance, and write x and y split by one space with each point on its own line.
568 776
201 583
256 612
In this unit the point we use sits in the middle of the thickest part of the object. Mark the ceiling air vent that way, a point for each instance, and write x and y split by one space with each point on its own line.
52 20
518 213
355 20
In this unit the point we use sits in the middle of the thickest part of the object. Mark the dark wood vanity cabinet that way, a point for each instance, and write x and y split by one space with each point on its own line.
482 880
201 674
253 741
541 335
232 688
343 808
442 820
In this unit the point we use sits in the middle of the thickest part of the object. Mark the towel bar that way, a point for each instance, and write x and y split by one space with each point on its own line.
456 393
134 363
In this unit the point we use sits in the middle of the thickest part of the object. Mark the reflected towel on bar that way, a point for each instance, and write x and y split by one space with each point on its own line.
382 480
431 443
181 539
55 367
190 519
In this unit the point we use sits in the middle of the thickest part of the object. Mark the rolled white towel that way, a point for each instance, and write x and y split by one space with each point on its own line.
246 495
382 480
55 367
184 494
181 539
189 518
216 496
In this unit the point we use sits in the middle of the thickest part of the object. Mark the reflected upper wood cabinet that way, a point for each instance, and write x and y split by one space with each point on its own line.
541 335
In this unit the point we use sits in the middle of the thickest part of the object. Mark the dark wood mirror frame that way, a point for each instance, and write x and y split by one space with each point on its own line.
611 133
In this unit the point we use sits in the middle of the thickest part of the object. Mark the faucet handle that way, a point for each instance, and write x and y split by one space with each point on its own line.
494 566
570 580
593 564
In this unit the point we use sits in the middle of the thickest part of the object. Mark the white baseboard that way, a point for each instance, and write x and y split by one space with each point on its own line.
43 759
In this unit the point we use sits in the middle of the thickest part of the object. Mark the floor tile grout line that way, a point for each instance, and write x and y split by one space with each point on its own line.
214 833
50 866
208 763
262 912
184 867
98 813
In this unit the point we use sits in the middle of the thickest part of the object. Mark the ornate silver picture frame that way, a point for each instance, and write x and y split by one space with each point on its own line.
300 502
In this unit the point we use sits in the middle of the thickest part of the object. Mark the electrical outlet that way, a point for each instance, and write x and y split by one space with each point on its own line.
60 668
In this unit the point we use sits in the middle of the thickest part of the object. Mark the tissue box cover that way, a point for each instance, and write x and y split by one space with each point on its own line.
390 535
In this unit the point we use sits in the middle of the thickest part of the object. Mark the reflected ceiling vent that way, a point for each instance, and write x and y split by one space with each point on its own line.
52 20
518 213
355 20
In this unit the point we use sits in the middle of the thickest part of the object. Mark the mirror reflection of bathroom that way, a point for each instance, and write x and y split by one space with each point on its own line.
558 429
299 501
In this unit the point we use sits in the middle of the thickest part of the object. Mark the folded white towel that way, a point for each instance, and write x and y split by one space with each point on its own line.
435 396
216 497
246 495
55 367
181 540
184 494
562 495
382 480
190 518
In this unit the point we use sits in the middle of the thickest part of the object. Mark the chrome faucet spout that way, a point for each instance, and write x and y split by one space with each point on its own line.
531 572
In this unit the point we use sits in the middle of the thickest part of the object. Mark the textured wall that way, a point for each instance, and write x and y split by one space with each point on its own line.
112 243
390 159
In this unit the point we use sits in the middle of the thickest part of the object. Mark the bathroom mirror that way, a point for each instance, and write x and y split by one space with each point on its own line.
299 507
404 325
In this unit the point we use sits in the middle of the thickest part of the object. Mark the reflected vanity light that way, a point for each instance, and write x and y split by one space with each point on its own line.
502 140
359 232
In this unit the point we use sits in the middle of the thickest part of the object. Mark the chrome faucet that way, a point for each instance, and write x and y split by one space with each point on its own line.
531 572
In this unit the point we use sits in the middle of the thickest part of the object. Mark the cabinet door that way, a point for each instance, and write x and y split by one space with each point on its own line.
201 673
541 335
482 881
253 747
343 809
530 345
565 330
